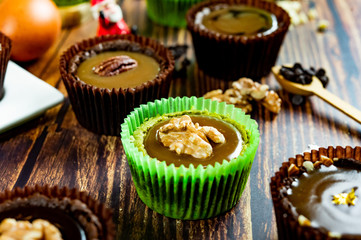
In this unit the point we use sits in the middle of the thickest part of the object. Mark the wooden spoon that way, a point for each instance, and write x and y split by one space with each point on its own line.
315 87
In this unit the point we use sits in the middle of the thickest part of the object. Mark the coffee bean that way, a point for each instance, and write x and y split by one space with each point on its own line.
320 72
308 79
303 76
298 100
286 73
324 80
309 72
297 66
301 79
298 71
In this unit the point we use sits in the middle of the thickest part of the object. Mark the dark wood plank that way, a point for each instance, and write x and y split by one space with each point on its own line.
55 149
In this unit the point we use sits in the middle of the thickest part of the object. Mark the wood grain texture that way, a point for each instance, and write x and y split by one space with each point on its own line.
55 149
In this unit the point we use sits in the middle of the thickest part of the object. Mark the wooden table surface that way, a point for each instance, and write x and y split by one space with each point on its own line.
54 149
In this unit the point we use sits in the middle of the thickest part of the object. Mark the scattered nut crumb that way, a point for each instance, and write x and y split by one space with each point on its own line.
303 221
334 234
293 8
243 92
183 136
317 164
308 165
312 14
326 161
322 25
293 170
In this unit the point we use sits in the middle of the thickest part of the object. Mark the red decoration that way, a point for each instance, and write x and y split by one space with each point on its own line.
110 17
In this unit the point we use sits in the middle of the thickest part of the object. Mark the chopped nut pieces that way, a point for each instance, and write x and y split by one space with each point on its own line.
11 229
293 170
309 166
345 198
115 65
326 161
183 136
303 221
322 25
243 92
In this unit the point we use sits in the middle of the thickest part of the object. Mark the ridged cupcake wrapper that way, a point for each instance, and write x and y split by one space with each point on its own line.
287 224
102 110
188 192
169 12
237 56
104 214
4 59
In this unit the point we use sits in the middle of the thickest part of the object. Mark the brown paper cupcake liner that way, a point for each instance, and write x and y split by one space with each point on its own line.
93 217
231 57
288 226
4 59
102 110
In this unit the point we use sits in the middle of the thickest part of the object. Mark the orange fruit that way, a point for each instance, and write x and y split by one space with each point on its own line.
32 25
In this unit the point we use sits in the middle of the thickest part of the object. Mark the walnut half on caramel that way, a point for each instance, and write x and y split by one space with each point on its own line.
185 137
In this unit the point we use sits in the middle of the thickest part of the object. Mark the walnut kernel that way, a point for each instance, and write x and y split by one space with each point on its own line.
184 137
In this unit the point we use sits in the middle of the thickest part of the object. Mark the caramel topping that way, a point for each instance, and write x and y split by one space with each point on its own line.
141 69
229 150
327 197
239 20
183 136
345 198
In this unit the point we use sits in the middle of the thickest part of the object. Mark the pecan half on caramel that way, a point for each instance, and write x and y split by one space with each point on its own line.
115 65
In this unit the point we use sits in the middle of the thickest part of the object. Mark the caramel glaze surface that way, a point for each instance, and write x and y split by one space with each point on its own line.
146 70
229 150
239 20
312 197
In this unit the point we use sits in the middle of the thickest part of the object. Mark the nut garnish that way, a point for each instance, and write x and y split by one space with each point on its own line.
308 165
317 164
326 161
303 221
11 229
115 65
243 92
345 198
293 170
183 136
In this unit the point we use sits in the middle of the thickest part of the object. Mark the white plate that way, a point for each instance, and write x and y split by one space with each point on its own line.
26 97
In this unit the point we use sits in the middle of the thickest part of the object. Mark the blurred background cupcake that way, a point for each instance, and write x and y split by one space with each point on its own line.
107 76
5 48
316 195
169 12
239 38
73 12
43 212
182 173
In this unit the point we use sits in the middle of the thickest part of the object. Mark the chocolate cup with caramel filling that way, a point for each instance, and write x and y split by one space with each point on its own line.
102 110
288 225
230 57
4 59
189 191
74 213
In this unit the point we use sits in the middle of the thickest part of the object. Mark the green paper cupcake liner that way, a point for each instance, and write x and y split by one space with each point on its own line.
169 12
188 192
